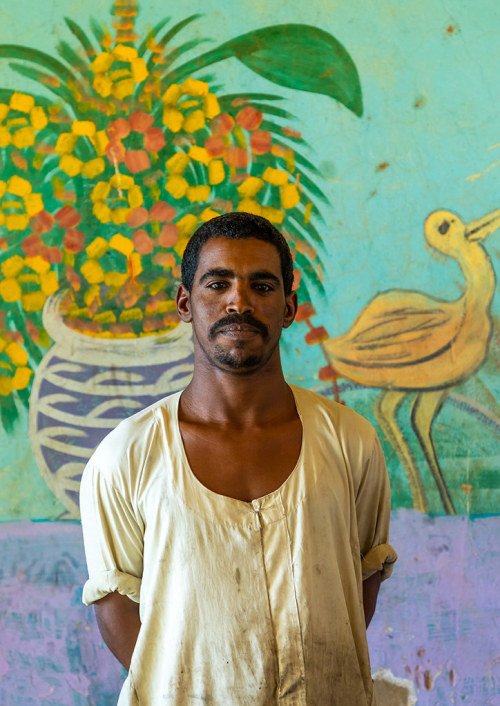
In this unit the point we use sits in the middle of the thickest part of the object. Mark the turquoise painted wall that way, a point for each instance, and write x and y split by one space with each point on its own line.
428 140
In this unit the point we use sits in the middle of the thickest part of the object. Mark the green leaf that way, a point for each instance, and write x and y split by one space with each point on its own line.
43 78
152 35
17 51
90 51
302 57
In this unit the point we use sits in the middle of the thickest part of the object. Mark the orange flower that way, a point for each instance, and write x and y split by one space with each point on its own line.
249 118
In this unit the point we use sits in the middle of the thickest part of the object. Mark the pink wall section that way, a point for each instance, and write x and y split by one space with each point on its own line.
51 652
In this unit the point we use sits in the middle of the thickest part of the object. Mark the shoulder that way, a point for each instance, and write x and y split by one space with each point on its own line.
122 454
348 425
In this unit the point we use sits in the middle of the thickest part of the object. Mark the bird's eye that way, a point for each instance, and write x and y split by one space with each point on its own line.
444 227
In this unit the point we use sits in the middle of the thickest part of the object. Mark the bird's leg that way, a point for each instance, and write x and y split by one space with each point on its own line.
425 408
386 408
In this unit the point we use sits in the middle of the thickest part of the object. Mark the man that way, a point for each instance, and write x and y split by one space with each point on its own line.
228 527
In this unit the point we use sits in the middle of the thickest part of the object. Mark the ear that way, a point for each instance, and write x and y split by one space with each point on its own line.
183 301
291 304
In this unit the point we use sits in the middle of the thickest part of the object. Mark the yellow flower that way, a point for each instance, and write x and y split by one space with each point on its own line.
131 314
274 215
193 87
97 248
93 168
122 244
199 154
38 118
129 196
10 291
216 172
32 203
194 121
21 378
177 163
187 224
276 177
49 283
173 119
115 279
176 185
25 137
16 353
211 106
70 165
83 128
66 143
20 131
92 271
121 83
33 301
37 264
19 186
208 214
250 187
289 196
12 266
21 102
198 193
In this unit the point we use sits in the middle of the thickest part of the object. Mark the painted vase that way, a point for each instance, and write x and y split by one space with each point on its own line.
85 386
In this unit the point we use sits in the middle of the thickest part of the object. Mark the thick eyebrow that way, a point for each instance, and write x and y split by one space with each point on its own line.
264 274
216 272
229 274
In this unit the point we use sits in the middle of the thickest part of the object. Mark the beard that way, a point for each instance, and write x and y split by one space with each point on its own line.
235 358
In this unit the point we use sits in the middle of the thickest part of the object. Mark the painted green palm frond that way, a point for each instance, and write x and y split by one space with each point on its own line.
311 187
304 162
8 412
307 231
172 56
41 77
73 59
78 32
307 269
263 107
278 130
97 30
296 56
142 48
250 97
7 93
39 58
172 32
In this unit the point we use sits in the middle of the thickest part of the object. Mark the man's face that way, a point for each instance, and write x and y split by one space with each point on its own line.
237 305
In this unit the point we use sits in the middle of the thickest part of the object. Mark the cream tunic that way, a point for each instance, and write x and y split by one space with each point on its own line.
241 603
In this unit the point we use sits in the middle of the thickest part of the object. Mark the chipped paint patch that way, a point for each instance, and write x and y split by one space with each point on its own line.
393 691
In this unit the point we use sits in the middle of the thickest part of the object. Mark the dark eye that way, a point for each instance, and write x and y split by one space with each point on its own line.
217 285
444 227
263 287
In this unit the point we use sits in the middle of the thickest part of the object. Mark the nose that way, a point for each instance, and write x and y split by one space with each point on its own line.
239 300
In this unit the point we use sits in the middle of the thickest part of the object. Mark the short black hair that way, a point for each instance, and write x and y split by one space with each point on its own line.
235 226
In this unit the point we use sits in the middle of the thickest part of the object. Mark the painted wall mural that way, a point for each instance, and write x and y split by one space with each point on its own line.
370 148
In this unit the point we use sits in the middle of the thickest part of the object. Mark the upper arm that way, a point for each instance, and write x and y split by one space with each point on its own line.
113 538
373 509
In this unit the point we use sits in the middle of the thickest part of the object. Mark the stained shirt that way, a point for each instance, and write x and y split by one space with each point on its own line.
241 603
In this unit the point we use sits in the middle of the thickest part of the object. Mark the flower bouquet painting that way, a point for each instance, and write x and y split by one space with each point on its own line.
106 173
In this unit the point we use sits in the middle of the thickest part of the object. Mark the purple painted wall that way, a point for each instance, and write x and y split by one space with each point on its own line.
441 595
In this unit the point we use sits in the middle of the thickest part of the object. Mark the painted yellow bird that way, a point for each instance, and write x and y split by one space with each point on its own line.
407 342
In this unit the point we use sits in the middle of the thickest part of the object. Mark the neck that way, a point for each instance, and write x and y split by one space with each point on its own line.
235 399
479 276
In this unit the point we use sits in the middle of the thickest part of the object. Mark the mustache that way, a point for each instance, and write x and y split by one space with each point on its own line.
232 319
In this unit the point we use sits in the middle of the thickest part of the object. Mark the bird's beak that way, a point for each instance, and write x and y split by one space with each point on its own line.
483 227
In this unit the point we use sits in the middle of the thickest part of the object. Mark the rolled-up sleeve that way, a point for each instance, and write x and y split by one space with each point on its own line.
373 510
113 538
